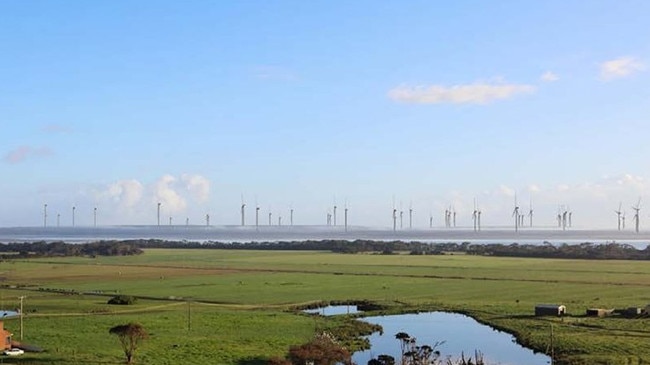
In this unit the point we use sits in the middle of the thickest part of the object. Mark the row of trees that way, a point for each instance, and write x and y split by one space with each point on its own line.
59 248
585 250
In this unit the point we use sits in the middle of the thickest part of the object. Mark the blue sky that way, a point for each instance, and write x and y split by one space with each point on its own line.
119 105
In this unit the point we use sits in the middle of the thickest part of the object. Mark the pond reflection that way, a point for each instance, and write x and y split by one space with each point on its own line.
461 334
332 310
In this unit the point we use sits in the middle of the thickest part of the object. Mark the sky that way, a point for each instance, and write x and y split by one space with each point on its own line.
304 105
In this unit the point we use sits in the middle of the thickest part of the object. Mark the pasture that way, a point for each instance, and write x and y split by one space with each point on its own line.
233 306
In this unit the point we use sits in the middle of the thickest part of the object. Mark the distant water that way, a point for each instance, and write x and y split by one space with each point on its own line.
299 233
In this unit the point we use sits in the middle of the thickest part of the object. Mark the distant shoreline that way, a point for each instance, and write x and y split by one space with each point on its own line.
301 233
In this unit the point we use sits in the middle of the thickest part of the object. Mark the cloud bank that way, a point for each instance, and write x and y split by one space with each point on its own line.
131 199
476 93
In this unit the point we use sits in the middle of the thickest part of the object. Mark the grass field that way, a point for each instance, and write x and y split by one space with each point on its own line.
239 301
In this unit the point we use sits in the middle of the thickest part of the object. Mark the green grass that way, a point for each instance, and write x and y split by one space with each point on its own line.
241 296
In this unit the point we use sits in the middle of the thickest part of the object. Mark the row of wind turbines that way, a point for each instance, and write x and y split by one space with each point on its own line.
564 216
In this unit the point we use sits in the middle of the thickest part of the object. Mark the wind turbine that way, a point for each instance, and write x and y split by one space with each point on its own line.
207 220
636 208
95 217
430 219
44 215
618 214
334 212
394 219
411 215
257 214
623 221
270 215
475 215
279 220
479 218
401 216
345 215
291 215
530 212
73 209
454 212
446 218
58 220
159 213
187 221
515 213
170 220
243 211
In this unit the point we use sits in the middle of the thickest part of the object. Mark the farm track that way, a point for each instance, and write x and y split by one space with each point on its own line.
320 272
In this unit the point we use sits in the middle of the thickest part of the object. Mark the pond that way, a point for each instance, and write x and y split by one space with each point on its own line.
461 334
332 310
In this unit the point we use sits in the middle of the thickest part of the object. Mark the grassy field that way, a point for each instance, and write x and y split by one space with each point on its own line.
239 301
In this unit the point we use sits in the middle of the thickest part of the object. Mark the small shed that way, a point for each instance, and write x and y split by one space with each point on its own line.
599 312
550 310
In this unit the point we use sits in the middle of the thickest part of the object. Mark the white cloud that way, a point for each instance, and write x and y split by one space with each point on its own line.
198 186
166 194
24 153
549 76
476 93
620 67
125 193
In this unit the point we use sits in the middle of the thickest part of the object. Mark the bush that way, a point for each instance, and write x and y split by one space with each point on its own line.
123 300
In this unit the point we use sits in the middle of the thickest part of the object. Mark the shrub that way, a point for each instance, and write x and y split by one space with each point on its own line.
123 300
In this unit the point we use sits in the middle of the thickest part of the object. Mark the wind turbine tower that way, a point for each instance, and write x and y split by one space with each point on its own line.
73 210
257 216
618 215
636 208
345 216
170 220
159 213
530 212
411 215
475 216
454 212
394 219
515 213
243 211
207 220
270 215
44 215
479 218
95 217
58 219
291 216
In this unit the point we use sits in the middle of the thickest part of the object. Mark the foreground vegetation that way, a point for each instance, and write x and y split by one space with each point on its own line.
238 306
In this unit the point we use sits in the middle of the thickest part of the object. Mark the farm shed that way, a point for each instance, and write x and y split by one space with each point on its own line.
550 310
599 312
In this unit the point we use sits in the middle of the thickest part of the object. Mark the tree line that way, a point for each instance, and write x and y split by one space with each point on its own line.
586 250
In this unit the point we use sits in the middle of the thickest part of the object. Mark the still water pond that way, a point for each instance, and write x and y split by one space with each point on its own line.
332 310
461 334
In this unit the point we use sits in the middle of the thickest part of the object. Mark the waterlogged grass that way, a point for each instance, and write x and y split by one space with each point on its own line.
239 300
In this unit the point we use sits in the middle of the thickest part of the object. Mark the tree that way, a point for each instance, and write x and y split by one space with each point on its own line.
130 335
